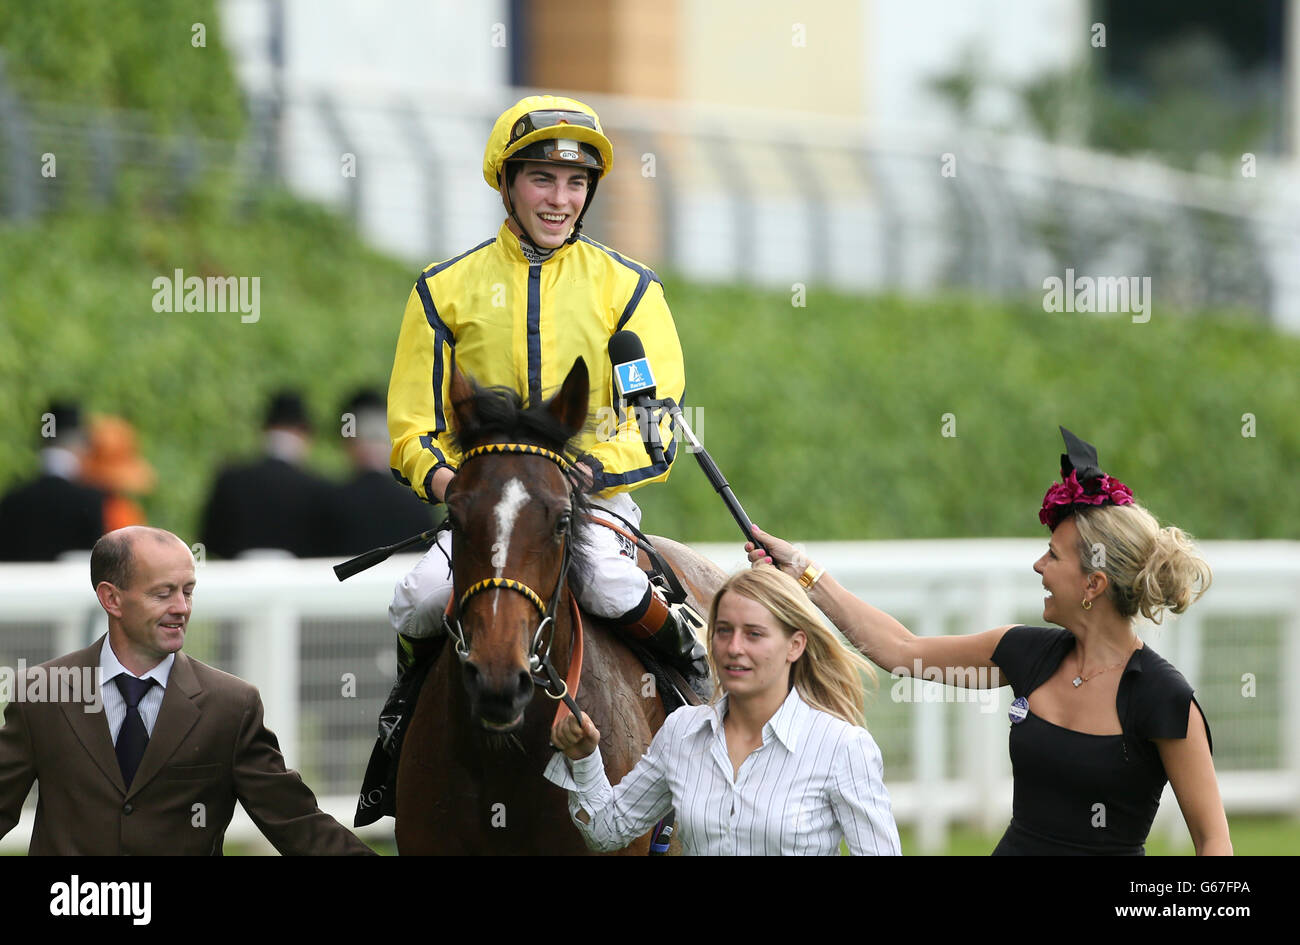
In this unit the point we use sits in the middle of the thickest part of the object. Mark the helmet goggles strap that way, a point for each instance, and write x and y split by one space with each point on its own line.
532 121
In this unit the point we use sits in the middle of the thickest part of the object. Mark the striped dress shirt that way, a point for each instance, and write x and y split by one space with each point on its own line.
115 706
815 780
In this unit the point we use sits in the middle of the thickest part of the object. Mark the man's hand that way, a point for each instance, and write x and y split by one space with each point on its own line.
585 478
576 741
441 480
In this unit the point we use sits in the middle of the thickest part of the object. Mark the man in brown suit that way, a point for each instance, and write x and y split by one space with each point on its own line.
153 761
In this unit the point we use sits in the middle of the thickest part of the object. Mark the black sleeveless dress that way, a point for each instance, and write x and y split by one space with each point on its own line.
1079 794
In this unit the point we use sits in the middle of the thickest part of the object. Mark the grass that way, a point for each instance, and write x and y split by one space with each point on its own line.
1251 836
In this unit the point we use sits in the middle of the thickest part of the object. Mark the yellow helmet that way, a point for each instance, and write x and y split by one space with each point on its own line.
547 128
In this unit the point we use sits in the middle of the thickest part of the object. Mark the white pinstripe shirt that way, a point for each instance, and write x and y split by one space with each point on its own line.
115 705
814 780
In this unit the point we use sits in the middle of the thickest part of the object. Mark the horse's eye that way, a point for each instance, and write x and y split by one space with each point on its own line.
562 524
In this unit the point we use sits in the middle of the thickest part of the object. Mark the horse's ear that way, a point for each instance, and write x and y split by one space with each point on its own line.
461 392
569 406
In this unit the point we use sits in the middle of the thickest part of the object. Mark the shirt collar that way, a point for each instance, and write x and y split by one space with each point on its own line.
511 243
791 720
60 462
788 723
286 445
110 667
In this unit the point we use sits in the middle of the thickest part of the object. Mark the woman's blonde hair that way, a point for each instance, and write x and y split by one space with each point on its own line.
829 674
1150 569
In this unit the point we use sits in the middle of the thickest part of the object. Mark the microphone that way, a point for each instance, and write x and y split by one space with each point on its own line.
635 383
636 387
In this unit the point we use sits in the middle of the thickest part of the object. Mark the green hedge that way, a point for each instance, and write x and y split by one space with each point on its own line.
138 56
826 418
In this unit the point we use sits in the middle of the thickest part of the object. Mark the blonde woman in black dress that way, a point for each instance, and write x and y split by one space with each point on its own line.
1100 722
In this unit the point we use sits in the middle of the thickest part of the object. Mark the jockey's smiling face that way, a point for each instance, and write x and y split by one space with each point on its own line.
548 199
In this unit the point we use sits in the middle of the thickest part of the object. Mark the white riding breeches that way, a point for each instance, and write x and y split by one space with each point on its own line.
610 586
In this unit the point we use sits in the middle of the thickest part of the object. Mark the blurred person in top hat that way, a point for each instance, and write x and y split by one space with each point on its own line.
274 502
53 513
114 464
372 508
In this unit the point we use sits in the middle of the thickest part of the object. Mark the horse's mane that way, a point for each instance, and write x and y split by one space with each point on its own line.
493 413
500 412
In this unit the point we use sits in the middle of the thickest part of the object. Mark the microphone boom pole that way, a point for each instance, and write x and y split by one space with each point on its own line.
712 472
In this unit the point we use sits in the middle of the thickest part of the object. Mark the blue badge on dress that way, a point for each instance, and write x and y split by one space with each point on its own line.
1019 709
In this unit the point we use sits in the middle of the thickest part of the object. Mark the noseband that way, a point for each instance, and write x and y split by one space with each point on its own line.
539 655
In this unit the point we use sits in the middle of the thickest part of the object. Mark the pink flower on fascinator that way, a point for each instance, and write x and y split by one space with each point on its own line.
1064 494
1116 491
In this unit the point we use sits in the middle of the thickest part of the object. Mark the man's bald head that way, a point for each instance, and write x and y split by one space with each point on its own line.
112 557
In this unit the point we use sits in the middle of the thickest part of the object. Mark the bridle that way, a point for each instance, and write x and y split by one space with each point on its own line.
539 653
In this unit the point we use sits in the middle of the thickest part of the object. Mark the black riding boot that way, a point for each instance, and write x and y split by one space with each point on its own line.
413 650
379 786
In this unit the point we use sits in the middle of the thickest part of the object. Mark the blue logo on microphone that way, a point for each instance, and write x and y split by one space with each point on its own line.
633 377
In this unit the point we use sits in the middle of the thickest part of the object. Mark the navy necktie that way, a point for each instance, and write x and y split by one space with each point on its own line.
132 737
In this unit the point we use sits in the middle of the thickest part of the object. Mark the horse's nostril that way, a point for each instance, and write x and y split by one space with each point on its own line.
502 689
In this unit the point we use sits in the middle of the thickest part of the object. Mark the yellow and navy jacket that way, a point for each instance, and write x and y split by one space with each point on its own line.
506 322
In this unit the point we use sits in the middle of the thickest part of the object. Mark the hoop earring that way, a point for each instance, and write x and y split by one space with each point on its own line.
1087 604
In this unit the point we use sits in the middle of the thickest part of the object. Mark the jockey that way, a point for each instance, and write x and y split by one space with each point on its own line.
516 311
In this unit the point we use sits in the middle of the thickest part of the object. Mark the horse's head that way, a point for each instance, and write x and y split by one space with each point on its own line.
514 509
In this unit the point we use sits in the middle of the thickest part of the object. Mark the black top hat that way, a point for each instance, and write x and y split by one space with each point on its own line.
367 398
287 410
66 415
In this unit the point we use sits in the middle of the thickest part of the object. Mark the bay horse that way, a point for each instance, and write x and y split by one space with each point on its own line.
470 775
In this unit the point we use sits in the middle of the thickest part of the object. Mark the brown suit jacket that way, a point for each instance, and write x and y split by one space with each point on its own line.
208 749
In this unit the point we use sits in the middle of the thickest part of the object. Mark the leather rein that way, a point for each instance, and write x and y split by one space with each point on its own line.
540 668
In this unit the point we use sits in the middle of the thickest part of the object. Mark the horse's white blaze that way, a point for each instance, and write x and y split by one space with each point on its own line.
512 500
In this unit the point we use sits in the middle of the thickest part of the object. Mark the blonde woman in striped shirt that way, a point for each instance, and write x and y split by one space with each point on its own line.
780 764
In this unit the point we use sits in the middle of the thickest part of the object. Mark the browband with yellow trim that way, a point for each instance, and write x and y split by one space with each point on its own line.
506 583
517 448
